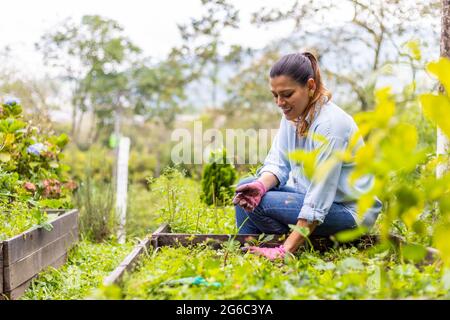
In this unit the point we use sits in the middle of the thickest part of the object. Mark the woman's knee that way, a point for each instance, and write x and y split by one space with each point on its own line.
335 223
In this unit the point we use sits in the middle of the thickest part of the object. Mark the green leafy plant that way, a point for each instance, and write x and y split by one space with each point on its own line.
337 274
217 178
32 175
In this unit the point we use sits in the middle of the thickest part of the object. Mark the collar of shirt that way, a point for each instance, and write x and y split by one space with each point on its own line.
294 123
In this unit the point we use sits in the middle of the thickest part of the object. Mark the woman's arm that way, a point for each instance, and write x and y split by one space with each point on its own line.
268 179
276 162
321 192
295 239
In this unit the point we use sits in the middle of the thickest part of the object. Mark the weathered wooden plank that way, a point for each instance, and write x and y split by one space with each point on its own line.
27 267
163 236
216 240
128 263
34 239
164 228
17 292
131 259
56 210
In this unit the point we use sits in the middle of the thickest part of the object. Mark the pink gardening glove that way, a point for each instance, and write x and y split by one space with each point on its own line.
249 195
270 253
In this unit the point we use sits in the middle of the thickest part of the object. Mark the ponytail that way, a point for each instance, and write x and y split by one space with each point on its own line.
319 95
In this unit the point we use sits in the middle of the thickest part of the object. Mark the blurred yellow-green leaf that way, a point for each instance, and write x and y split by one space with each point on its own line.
441 69
413 47
441 243
413 252
350 235
437 108
307 159
5 156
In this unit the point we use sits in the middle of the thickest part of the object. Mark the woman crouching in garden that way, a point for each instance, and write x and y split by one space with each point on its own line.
267 203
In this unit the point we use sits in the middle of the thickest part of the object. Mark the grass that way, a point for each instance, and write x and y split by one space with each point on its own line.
179 205
337 274
142 211
18 217
377 273
88 264
15 220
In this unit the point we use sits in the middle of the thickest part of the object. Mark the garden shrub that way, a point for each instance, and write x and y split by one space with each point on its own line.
32 175
217 179
177 202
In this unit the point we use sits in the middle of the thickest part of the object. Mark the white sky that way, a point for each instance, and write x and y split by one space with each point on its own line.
151 24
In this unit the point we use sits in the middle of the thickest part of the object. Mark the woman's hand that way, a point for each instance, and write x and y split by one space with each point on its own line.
295 239
290 245
249 195
269 253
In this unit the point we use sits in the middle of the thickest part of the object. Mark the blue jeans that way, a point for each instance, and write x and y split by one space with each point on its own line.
280 207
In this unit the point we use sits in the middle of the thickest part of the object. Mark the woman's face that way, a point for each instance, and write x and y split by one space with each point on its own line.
290 96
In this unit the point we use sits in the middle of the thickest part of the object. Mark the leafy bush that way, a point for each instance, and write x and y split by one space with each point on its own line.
217 179
179 204
95 202
32 175
97 162
141 165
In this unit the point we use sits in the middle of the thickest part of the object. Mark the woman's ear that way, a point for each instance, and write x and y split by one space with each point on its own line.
311 84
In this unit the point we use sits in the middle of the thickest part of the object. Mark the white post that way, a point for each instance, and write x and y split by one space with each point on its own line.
122 186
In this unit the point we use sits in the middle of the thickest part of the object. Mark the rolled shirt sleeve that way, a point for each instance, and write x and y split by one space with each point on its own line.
276 161
321 193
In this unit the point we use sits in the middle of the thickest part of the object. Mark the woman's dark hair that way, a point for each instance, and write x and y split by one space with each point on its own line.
301 67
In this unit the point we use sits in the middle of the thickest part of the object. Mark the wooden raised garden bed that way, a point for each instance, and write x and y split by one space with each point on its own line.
163 237
25 255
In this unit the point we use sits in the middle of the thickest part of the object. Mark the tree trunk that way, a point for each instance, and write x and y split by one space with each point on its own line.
442 143
445 31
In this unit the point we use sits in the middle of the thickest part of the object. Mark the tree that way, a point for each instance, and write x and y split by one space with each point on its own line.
94 57
159 88
159 95
203 45
249 103
354 48
35 94
442 143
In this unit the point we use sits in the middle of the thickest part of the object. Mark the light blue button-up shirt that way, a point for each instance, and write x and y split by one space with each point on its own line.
333 123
